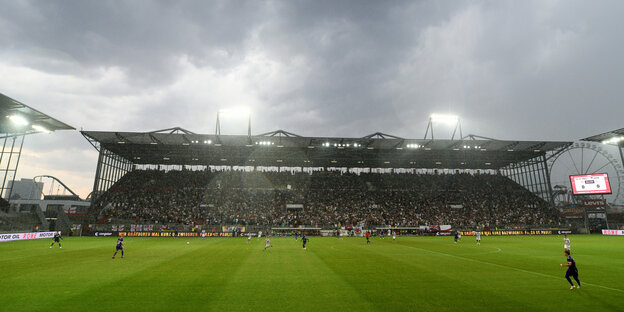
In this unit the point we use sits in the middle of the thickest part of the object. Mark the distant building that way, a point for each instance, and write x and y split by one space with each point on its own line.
26 189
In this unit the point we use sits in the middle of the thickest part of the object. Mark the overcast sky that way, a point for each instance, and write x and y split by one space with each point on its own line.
524 70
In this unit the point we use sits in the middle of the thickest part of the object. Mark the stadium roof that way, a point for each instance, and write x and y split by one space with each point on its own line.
29 120
177 146
609 137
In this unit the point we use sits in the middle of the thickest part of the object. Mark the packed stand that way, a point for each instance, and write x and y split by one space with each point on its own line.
328 199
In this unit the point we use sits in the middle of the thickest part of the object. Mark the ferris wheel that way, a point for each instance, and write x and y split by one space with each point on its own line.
586 158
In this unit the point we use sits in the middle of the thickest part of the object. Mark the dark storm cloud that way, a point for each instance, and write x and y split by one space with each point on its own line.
143 37
529 70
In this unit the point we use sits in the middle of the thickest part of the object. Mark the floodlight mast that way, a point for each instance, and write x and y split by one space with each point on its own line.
447 119
237 111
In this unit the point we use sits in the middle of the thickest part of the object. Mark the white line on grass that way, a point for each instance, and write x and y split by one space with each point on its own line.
509 267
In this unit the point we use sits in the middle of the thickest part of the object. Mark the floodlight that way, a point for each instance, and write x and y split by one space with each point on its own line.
19 120
613 140
237 111
40 128
448 119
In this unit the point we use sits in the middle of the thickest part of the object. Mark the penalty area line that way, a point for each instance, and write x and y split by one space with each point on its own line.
510 267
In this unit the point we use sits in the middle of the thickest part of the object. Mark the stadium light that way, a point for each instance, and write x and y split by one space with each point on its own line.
41 128
448 119
236 111
613 140
18 120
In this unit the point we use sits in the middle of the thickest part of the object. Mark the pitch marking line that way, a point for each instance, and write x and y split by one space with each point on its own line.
510 267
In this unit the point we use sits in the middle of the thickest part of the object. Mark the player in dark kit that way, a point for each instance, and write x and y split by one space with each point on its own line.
572 270
367 237
304 240
120 246
57 239
456 236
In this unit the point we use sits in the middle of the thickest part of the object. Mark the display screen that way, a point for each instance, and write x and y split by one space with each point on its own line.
590 184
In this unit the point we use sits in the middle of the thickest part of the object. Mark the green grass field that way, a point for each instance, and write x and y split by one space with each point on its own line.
227 274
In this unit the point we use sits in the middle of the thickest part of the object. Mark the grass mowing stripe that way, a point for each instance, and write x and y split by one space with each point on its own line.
509 267
444 282
188 277
286 277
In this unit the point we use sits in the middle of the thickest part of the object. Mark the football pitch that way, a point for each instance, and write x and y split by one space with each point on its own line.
228 274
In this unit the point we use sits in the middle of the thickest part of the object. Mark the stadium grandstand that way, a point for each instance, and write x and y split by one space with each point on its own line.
177 178
17 120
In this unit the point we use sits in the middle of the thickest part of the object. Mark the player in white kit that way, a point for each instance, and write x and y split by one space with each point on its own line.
478 234
259 234
249 237
566 243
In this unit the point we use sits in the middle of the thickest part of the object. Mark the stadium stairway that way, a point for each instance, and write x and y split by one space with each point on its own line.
62 221
42 219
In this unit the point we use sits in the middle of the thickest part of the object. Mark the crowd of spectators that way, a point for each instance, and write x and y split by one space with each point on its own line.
328 199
